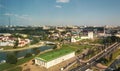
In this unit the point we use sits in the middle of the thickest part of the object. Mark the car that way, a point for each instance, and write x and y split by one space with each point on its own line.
88 63
110 69
105 50
88 70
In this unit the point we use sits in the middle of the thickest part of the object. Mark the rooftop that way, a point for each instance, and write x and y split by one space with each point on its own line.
55 54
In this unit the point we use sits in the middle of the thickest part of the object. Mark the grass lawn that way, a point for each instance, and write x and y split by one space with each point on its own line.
10 47
55 54
77 46
16 69
78 38
6 66
21 61
6 47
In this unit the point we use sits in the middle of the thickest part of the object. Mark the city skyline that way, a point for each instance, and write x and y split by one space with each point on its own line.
60 12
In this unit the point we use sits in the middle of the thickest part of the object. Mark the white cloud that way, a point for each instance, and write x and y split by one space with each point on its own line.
58 6
8 14
24 17
62 1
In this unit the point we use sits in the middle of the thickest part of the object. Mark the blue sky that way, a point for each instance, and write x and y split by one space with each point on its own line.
60 12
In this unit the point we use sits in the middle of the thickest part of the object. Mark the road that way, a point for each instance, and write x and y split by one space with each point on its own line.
92 61
114 65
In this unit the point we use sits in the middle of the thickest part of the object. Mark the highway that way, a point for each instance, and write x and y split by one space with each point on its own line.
92 61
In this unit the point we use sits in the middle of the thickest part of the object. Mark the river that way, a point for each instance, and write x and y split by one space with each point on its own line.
22 53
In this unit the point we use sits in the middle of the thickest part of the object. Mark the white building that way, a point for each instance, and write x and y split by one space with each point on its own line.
117 35
46 27
90 36
5 34
4 43
75 38
88 70
9 41
55 60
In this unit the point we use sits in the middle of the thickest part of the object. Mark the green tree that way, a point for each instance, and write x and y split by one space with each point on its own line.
16 43
16 35
36 51
11 58
111 57
35 40
28 55
55 46
77 51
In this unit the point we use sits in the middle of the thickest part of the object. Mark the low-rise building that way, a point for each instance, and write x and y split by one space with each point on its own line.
52 58
75 38
10 41
90 36
78 38
117 35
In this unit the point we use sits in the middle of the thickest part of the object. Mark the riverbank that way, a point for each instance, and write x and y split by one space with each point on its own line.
27 47
8 67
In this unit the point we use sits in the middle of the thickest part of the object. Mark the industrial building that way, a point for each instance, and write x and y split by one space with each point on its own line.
54 57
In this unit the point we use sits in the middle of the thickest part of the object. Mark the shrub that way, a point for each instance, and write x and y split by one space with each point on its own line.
55 47
11 58
28 55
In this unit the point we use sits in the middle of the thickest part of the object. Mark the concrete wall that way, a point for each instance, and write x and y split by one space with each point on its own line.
60 59
40 62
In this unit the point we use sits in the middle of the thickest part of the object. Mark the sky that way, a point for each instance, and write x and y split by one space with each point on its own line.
60 12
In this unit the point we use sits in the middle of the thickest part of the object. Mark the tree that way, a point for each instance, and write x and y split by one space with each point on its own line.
28 55
55 46
16 52
35 40
16 43
11 58
77 51
111 57
16 35
36 50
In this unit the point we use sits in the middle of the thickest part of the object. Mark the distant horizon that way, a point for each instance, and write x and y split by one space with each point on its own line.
60 25
60 12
